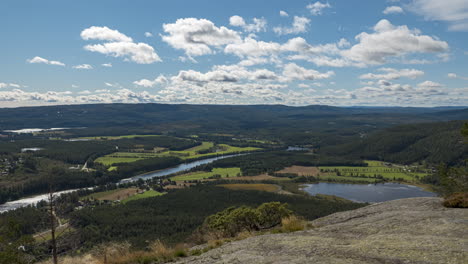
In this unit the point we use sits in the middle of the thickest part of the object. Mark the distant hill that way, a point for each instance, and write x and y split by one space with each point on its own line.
432 142
99 115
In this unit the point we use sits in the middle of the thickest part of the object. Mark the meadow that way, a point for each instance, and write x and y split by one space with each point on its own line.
116 194
252 187
146 194
375 169
222 172
203 150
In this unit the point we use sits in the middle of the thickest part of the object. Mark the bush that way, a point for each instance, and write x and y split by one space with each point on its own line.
232 221
457 200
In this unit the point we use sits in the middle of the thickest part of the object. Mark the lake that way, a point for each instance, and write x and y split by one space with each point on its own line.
372 193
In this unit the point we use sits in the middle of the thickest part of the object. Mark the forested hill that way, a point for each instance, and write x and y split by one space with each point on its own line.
232 116
431 142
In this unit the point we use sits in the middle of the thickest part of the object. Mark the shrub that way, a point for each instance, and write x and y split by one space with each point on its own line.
231 221
456 200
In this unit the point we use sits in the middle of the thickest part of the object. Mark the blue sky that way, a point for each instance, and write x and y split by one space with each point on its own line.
342 52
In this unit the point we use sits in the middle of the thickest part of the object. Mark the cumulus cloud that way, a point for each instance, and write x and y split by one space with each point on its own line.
107 65
161 79
393 10
430 84
8 85
140 53
83 67
225 73
455 76
38 59
283 13
393 74
119 45
148 34
454 12
317 8
104 33
299 26
292 71
196 37
251 47
389 41
259 24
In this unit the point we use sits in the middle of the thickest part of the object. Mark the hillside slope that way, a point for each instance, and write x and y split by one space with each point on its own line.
415 230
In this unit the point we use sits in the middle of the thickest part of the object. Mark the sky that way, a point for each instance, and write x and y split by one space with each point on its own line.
336 52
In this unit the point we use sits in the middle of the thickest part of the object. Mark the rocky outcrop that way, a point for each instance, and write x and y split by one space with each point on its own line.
415 230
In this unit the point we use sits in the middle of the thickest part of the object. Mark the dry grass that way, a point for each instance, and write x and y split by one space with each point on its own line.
84 259
260 177
112 195
253 186
292 224
301 170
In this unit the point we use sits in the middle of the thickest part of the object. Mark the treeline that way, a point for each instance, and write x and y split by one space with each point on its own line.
269 162
126 170
174 216
81 151
433 143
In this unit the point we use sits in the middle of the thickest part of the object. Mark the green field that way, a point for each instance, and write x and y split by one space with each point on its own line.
224 172
191 153
115 194
147 194
374 169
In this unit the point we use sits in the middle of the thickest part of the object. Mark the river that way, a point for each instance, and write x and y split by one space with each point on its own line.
371 193
12 205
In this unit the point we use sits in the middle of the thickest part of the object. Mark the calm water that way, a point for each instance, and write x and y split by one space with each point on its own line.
182 167
372 193
178 168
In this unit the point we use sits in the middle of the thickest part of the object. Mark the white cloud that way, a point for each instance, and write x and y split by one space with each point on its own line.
393 74
393 10
161 79
430 84
7 85
299 26
292 71
75 86
259 24
225 73
251 47
389 41
38 59
455 12
140 53
237 21
197 36
107 65
283 13
317 8
455 76
83 67
148 34
104 33
119 45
